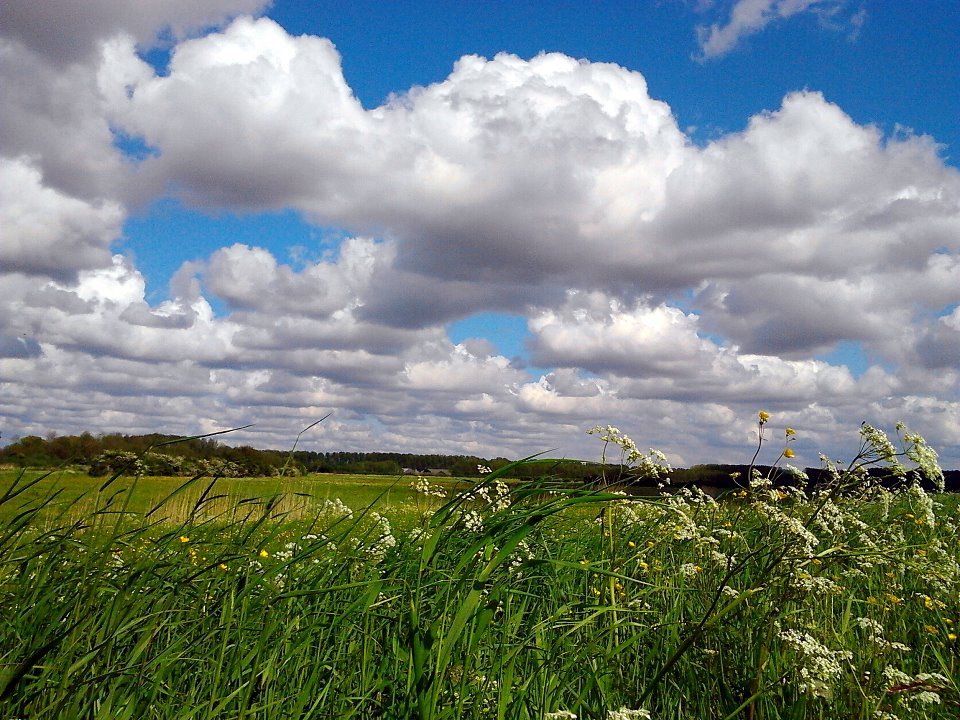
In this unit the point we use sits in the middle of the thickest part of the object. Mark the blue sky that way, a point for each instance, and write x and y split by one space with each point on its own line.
682 212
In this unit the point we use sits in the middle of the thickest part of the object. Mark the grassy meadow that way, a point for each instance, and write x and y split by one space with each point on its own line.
79 495
340 597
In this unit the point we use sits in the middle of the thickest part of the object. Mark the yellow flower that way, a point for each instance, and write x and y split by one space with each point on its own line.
789 453
789 431
764 416
631 543
264 554
184 539
951 636
222 567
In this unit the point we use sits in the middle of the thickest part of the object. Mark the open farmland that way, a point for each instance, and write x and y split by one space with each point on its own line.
78 495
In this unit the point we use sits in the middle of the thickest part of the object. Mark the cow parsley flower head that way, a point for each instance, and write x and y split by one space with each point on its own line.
819 666
627 714
651 464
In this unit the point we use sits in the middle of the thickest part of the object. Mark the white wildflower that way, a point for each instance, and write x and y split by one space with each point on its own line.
926 697
627 714
874 632
336 507
924 456
472 521
878 447
423 486
820 666
384 541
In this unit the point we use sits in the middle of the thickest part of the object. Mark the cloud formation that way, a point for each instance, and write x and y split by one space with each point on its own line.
748 17
65 31
46 232
660 279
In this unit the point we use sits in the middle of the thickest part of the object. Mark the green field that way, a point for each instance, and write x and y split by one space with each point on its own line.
78 494
337 597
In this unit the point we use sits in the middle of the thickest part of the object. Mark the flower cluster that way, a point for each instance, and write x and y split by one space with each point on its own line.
652 464
424 487
819 667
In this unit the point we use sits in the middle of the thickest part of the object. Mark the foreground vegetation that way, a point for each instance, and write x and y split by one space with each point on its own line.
536 600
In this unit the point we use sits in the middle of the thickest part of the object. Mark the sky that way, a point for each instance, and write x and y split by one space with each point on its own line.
482 227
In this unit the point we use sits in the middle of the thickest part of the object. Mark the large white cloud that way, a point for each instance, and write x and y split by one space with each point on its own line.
48 232
507 168
599 334
542 171
251 278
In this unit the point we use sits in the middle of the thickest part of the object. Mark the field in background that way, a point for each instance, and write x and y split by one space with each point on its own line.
79 495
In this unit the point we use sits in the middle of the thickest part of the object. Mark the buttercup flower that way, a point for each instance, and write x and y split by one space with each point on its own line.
764 416
789 453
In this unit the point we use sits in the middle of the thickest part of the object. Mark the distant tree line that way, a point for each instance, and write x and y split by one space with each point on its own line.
390 463
729 477
150 454
158 454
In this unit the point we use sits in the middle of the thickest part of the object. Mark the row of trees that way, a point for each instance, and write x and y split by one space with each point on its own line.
157 454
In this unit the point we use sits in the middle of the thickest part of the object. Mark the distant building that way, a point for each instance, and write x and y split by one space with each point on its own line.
429 472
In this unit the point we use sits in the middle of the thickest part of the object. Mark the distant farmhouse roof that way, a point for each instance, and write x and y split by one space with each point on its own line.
432 472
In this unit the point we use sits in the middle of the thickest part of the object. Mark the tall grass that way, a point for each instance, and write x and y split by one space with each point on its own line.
530 601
